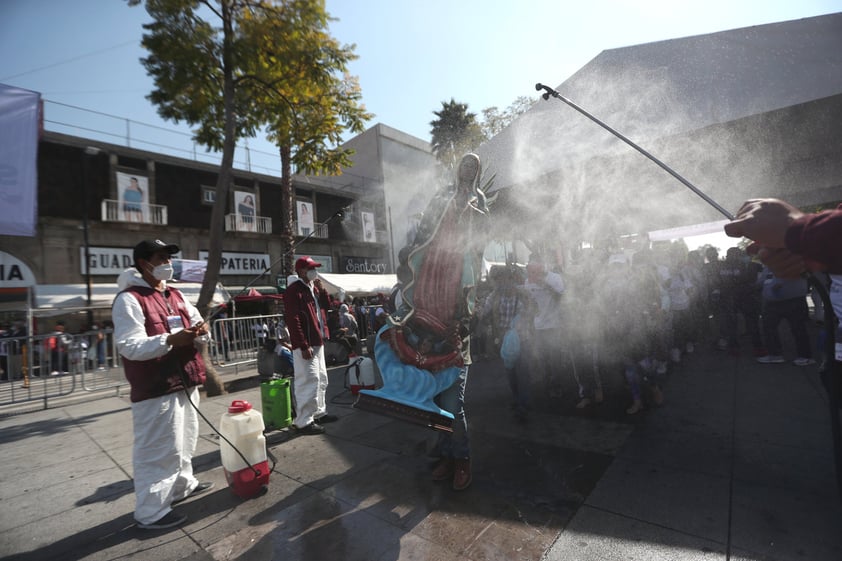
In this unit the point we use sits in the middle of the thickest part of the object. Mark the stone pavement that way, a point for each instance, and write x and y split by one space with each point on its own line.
736 465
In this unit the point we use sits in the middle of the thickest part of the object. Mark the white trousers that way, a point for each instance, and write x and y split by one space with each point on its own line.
166 430
310 386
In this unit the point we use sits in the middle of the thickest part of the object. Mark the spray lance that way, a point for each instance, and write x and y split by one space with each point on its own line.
339 214
833 383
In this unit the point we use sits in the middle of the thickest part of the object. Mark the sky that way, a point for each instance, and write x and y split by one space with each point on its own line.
83 56
413 55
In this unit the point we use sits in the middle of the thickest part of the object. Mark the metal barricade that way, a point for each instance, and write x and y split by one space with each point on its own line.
102 366
42 365
236 341
45 367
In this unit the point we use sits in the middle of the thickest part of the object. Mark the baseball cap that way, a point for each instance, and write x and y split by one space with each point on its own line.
147 248
306 263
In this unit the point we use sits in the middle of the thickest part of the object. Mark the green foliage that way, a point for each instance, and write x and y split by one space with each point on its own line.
286 73
232 67
494 120
455 132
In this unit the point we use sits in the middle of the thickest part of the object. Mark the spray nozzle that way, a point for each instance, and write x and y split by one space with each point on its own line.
548 91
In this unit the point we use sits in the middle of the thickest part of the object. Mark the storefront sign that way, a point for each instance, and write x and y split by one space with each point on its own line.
14 273
364 265
109 260
106 260
240 263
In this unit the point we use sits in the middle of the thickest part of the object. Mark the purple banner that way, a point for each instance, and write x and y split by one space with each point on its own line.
19 124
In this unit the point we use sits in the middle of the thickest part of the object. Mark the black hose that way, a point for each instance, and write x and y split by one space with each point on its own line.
831 374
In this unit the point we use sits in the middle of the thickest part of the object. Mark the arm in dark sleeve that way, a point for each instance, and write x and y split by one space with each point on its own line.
818 237
293 319
324 299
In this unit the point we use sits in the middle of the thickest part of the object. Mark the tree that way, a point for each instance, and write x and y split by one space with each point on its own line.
494 121
262 62
455 132
308 100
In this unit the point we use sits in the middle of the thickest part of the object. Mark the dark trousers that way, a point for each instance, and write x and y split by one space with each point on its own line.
794 311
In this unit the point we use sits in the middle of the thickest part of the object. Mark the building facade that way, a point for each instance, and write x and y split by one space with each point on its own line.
97 200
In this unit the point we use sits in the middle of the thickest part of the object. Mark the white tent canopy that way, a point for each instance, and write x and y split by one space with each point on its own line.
74 296
358 284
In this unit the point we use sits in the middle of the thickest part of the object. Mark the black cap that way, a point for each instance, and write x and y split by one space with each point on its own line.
147 248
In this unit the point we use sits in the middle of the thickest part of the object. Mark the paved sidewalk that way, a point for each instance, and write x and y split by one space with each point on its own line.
735 465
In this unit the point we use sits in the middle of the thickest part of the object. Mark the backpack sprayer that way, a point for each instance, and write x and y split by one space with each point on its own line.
241 427
831 379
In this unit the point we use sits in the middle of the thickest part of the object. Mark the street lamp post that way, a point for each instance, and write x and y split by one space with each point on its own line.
90 151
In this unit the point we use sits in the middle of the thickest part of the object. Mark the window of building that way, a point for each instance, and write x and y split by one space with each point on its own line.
208 195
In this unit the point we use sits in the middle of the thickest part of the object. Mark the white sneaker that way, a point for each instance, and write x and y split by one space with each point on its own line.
771 359
722 345
675 355
800 361
690 348
661 368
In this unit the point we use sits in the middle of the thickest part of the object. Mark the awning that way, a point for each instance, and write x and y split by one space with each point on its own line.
255 295
358 284
74 296
688 231
236 291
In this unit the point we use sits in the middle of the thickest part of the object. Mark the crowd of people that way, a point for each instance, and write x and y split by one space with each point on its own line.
634 315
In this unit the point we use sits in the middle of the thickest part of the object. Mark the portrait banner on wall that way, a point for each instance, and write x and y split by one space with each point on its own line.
304 213
133 197
368 227
246 211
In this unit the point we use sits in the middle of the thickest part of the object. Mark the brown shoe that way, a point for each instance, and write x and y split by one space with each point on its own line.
443 469
657 396
462 474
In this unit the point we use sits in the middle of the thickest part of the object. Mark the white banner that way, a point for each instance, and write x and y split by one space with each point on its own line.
305 218
19 124
245 207
133 194
240 263
368 227
189 270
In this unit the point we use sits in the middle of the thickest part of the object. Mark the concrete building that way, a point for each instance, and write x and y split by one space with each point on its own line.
407 176
743 113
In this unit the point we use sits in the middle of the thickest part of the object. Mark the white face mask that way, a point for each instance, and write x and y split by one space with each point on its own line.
163 272
312 275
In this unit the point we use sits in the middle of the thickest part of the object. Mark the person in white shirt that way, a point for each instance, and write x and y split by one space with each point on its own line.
545 349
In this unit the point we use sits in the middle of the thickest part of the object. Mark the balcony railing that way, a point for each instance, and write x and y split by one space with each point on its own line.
141 213
320 230
240 223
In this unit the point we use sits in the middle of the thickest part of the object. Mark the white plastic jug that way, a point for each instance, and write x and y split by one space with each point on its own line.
243 427
361 375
